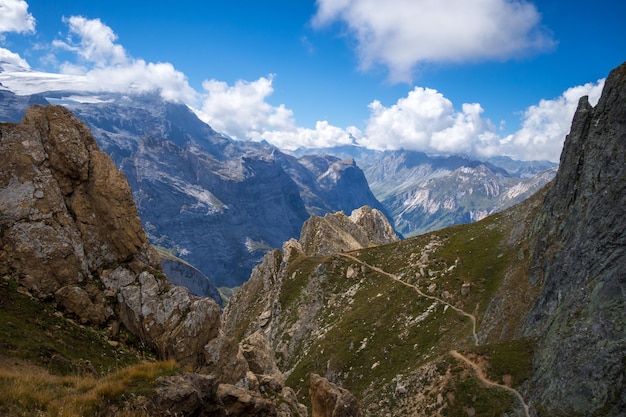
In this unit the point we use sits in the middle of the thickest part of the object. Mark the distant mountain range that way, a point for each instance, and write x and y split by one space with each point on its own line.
424 193
217 203
220 204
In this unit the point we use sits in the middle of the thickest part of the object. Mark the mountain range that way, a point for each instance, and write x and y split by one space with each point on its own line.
518 314
216 203
423 192
220 204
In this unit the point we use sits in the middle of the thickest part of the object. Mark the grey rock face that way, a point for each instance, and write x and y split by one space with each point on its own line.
221 204
579 260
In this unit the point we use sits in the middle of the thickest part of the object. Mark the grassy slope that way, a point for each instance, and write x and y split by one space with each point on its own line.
371 329
52 366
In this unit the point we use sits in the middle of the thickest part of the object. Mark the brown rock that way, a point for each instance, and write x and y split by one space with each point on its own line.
66 209
241 402
187 395
334 233
77 302
168 317
68 220
223 357
330 400
258 353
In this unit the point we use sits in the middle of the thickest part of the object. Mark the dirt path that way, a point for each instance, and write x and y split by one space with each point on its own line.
417 290
479 372
481 376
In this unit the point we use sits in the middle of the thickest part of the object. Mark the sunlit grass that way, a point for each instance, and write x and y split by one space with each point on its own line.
37 392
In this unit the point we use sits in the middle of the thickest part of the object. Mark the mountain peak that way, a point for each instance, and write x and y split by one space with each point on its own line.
579 257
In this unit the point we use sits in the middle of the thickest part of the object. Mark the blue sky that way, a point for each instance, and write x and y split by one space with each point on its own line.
479 77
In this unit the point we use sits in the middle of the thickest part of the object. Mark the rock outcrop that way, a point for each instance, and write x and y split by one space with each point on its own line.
254 313
365 227
578 260
330 400
70 233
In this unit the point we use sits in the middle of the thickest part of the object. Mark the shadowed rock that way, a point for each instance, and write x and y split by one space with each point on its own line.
579 258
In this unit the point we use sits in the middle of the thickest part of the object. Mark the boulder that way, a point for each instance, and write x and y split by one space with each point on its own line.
330 400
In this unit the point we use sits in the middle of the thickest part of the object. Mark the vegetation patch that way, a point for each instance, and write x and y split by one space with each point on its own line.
52 366
508 360
468 396
37 392
33 330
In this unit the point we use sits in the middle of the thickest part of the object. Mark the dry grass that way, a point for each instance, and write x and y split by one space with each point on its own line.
27 390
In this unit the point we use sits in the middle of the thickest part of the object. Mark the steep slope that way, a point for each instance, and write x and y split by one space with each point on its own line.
579 259
72 249
519 314
186 275
380 322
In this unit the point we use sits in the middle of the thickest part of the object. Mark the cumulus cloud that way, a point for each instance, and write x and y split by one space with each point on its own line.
324 135
241 110
13 59
401 34
14 17
426 121
545 125
93 41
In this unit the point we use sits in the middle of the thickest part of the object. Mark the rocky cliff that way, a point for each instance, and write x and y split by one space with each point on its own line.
70 236
579 259
70 231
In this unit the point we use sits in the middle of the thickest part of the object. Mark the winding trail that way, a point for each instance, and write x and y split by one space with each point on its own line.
481 376
417 290
479 372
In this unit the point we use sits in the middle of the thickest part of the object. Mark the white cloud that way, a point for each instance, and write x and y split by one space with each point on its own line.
95 43
12 59
324 135
104 65
545 125
14 17
401 34
241 110
426 121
